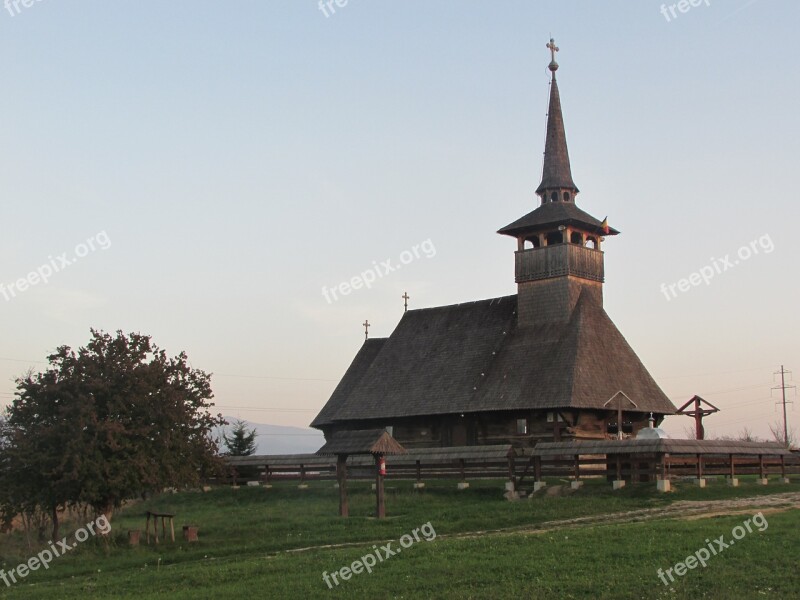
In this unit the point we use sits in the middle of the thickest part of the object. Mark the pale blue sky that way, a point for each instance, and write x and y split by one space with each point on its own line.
241 156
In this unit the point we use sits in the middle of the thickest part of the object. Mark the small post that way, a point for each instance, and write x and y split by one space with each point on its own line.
663 484
380 472
732 481
537 474
762 470
303 485
577 484
418 485
700 481
268 476
341 478
462 485
619 482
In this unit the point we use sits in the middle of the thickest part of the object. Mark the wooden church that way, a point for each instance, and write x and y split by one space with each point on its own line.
545 364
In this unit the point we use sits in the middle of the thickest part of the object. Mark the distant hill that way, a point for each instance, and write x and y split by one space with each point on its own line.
279 439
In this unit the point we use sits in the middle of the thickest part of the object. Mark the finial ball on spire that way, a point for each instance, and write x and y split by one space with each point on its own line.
553 66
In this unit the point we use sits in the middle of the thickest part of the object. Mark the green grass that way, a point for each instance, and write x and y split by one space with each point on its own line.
244 536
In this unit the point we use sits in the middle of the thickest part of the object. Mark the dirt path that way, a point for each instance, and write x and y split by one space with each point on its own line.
684 509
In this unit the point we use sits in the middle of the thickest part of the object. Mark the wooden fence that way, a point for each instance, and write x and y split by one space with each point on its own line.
521 466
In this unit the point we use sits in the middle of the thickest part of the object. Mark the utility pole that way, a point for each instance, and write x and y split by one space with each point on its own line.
783 372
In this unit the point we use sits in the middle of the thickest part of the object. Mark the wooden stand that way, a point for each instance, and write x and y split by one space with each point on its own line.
164 518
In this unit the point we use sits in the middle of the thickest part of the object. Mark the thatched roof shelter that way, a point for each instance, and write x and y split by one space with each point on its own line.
363 441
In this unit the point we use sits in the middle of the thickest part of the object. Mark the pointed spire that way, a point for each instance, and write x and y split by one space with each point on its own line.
556 174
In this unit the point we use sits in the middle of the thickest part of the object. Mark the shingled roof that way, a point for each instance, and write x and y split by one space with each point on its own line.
352 376
556 172
551 214
473 358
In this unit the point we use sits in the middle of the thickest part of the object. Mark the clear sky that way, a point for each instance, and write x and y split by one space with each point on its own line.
229 160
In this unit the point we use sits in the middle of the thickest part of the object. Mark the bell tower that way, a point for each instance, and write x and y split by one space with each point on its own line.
559 254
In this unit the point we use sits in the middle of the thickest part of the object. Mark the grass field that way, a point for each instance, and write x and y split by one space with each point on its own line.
277 543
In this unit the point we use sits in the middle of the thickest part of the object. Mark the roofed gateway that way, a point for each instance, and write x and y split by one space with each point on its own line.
543 364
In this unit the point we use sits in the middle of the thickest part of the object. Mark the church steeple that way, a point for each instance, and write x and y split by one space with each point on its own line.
557 184
558 258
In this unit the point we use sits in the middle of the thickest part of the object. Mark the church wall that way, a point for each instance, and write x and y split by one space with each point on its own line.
503 428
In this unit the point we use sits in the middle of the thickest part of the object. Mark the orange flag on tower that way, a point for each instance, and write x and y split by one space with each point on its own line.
604 225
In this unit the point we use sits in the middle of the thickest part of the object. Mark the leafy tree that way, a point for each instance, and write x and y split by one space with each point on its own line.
241 441
107 422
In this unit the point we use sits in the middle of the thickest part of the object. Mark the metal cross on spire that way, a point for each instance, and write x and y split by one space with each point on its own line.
553 49
405 298
366 325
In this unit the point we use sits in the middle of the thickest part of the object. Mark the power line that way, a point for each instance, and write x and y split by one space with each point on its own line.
275 408
715 373
41 362
728 391
271 377
292 434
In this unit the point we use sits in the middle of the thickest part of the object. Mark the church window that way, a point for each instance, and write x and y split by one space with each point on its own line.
522 426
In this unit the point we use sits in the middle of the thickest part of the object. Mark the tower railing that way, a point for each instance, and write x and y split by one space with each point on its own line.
559 259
